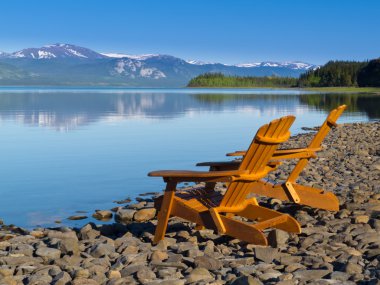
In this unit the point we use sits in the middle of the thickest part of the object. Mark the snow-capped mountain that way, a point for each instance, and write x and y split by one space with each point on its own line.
132 56
74 65
133 69
198 62
287 64
57 51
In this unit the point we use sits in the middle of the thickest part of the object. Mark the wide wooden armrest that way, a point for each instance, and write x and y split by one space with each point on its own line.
295 150
285 153
197 176
295 153
236 153
219 163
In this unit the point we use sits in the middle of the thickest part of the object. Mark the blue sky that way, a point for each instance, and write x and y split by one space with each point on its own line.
232 31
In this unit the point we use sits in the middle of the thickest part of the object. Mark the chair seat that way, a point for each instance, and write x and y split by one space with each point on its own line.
200 198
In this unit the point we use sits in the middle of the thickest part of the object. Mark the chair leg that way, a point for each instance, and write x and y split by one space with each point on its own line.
309 196
243 231
317 198
267 218
164 213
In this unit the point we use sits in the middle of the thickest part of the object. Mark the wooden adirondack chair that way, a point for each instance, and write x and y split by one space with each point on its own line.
210 209
290 190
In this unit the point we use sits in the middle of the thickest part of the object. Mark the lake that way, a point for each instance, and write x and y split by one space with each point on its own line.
65 150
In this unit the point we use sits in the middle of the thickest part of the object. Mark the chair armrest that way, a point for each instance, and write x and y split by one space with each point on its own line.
221 165
197 176
286 153
295 153
236 153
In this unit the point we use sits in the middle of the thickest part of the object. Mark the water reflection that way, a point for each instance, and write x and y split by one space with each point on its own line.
68 111
364 103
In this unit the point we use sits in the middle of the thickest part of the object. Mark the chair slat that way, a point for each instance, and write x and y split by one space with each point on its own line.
256 158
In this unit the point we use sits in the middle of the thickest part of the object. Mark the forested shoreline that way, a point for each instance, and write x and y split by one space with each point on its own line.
332 74
221 80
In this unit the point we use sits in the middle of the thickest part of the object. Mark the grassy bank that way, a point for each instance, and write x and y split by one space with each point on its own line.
344 89
357 90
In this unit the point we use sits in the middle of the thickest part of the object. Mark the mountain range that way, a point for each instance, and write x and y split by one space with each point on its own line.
71 65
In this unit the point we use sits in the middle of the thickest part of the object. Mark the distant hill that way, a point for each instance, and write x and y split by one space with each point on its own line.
67 64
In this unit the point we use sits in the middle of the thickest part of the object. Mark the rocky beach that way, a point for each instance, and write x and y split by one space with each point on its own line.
334 247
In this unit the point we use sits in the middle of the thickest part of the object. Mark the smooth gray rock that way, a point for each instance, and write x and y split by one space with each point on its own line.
144 214
168 282
84 281
124 215
267 276
341 276
81 273
39 279
199 274
102 215
307 275
69 246
63 278
48 253
277 238
145 275
266 254
353 268
62 235
207 262
246 280
101 250
131 269
287 260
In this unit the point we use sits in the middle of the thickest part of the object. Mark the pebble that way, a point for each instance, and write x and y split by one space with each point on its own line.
48 253
246 280
62 278
199 274
306 275
352 268
102 215
124 215
145 214
77 217
277 238
361 219
207 262
266 254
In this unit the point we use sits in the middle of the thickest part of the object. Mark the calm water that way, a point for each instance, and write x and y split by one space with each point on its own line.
68 150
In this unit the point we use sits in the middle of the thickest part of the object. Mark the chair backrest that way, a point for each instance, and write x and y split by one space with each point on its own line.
326 126
316 142
255 160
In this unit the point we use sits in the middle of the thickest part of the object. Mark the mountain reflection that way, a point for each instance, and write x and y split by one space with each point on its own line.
68 111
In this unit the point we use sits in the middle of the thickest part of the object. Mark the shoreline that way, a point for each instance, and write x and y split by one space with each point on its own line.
326 90
342 246
332 90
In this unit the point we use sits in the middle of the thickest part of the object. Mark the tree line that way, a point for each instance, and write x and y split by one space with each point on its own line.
332 74
221 80
343 74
